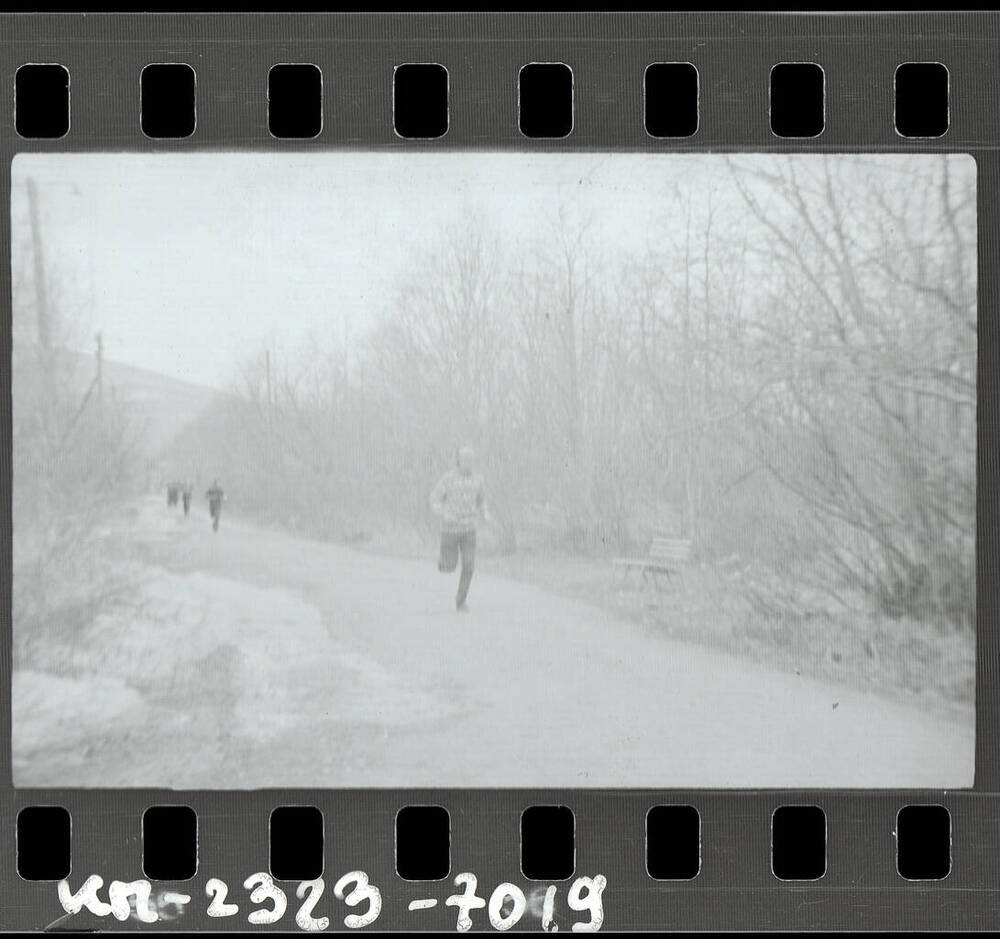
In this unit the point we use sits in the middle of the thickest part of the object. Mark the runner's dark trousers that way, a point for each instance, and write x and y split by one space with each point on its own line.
452 545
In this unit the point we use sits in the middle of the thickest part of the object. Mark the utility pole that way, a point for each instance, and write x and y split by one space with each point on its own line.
100 370
268 417
267 373
268 438
41 298
41 314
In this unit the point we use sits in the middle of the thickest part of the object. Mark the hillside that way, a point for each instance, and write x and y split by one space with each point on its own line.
166 405
161 406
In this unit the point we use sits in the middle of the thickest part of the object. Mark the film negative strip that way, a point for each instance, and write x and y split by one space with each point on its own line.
500 471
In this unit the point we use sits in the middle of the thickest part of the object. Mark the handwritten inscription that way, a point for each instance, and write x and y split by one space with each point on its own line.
505 906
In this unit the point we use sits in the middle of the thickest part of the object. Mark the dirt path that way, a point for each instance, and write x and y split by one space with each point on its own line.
324 666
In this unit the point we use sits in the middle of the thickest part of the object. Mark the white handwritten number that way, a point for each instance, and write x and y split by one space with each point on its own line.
217 890
467 901
118 894
86 896
503 892
591 901
264 889
548 908
363 891
304 918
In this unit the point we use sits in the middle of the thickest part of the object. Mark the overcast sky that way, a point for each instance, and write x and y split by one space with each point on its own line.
190 263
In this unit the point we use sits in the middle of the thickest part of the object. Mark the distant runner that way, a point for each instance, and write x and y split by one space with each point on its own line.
459 499
172 490
186 498
215 499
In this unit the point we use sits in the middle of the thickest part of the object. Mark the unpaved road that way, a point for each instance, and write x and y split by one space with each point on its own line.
272 660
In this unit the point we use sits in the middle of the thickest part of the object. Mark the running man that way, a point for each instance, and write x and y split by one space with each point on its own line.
215 499
459 499
186 498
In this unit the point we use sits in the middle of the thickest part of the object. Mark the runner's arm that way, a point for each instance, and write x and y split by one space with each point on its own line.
438 496
483 507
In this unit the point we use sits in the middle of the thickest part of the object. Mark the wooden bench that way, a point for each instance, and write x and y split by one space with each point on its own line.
667 559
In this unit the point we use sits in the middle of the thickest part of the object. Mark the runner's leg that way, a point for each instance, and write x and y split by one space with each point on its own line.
448 560
467 545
